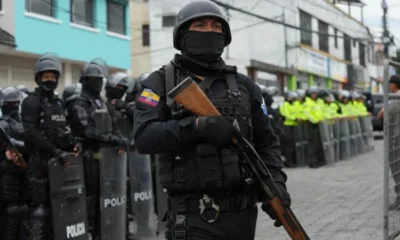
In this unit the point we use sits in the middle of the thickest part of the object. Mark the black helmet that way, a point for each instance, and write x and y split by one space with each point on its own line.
95 68
323 93
9 94
199 9
119 78
23 88
48 62
70 90
311 90
135 87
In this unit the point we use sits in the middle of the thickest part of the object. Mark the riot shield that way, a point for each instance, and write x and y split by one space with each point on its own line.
336 139
344 139
298 138
68 199
359 139
353 138
326 143
161 196
142 197
304 131
366 125
113 171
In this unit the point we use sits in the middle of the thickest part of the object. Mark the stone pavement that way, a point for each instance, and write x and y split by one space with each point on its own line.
339 202
342 202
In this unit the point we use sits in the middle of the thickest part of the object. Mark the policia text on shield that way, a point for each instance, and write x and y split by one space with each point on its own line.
191 97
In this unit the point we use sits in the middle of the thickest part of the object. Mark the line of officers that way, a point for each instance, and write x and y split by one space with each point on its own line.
310 107
44 127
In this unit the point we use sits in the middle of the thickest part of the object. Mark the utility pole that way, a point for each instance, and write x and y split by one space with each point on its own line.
285 36
386 37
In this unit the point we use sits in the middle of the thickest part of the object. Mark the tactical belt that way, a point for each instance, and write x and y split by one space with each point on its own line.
225 205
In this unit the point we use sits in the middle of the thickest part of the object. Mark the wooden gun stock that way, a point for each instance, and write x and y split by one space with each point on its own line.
191 97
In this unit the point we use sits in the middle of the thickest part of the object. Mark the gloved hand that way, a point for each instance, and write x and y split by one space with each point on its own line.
63 156
78 148
120 141
119 103
286 202
216 130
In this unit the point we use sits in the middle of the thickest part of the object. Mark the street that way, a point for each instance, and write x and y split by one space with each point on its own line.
340 202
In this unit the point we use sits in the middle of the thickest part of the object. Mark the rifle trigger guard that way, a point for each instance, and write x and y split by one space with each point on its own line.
209 210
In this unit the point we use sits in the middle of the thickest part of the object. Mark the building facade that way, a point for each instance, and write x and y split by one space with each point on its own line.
76 30
319 45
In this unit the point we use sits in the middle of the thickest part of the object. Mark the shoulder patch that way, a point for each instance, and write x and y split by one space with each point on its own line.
149 97
264 108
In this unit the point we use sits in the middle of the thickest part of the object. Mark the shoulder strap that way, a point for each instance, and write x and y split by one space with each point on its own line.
233 91
170 82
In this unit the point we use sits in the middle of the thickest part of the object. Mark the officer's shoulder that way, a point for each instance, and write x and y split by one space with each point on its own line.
77 97
250 85
31 100
155 81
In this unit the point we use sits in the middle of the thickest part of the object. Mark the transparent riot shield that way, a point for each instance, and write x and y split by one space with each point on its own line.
68 199
353 138
359 139
142 196
336 138
344 139
299 149
365 123
327 145
304 131
161 196
113 169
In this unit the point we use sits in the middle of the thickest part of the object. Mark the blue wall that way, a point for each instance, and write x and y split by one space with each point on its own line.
39 36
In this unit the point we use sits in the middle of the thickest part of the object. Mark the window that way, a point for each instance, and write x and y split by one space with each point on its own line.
336 38
168 21
361 49
82 12
354 43
1 5
305 23
116 17
323 37
369 53
43 7
347 47
146 35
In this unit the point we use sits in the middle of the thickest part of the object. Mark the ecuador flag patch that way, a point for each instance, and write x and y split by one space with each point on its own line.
149 97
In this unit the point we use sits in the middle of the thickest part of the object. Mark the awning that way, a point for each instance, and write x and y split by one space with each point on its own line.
6 38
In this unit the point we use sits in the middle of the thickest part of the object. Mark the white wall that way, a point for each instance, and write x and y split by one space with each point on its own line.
7 16
253 38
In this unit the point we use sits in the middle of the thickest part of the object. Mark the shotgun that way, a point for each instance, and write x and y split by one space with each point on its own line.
9 146
192 98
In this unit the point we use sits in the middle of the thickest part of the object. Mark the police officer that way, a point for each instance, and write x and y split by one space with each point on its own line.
289 113
13 184
274 117
201 170
344 105
94 122
116 86
315 115
46 136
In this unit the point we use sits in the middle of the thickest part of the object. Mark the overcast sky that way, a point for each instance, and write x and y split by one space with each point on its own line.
373 17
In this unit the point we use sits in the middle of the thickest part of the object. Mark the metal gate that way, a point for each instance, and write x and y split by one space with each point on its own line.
391 199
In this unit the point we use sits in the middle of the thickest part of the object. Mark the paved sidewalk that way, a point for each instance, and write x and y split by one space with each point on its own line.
340 202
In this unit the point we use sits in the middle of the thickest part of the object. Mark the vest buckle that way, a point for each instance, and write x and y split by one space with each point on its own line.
209 210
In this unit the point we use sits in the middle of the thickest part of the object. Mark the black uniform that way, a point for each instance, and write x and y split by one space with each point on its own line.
13 184
94 122
46 136
274 117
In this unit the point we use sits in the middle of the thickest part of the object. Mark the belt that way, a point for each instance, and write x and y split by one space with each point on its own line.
238 203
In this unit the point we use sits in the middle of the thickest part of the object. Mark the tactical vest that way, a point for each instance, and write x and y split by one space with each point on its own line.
203 165
101 116
124 122
53 123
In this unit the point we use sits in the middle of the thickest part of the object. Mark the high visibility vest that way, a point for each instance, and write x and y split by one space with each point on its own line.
288 110
313 111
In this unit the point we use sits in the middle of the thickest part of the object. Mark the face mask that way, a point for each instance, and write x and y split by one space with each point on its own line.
93 85
203 46
10 110
114 93
49 86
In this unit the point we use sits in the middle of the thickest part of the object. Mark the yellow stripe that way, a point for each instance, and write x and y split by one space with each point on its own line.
152 95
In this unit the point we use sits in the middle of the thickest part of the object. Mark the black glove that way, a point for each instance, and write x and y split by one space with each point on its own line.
120 141
286 202
120 104
63 156
216 130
